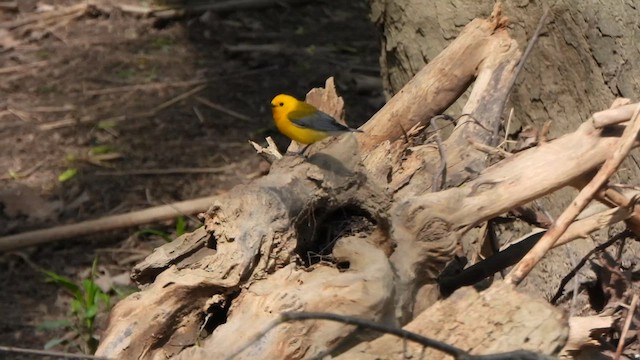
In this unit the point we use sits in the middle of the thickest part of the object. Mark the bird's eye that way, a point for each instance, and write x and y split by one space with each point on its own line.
281 104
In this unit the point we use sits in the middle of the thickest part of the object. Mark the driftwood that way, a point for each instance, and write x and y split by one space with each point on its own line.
355 230
113 222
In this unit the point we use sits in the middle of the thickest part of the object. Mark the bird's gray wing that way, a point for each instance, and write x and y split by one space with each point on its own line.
317 121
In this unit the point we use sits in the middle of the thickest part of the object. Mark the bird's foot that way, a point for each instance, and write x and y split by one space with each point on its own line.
297 153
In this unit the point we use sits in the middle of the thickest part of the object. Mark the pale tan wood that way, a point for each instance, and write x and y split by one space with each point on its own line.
248 255
490 322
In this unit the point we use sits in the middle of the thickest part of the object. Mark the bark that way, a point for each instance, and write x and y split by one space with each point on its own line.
584 59
354 230
475 315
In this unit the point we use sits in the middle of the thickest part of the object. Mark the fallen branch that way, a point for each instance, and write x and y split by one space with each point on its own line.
455 352
565 280
514 253
18 68
57 354
114 222
631 311
172 171
254 257
561 224
223 109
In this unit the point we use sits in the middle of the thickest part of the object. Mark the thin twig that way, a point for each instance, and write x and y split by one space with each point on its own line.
22 174
523 60
57 354
113 222
270 153
50 109
583 261
627 323
9 5
161 85
39 17
587 193
457 353
147 86
175 100
210 170
613 115
198 114
19 68
440 177
489 149
300 316
223 109
144 114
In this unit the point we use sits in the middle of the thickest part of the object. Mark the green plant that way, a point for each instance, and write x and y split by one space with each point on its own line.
180 229
87 301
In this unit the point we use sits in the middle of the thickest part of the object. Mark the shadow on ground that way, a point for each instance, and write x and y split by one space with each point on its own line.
108 92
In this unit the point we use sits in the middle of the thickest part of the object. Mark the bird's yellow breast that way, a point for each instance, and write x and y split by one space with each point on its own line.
281 106
293 132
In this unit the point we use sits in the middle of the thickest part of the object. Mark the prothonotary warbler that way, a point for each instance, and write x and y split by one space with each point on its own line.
303 122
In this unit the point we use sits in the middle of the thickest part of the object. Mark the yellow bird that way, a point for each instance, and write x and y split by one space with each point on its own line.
303 122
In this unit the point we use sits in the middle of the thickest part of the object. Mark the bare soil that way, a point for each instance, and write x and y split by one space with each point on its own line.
66 90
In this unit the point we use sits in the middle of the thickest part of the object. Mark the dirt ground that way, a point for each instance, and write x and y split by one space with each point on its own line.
89 91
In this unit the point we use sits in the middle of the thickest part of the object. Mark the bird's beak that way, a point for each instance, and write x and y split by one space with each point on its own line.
273 105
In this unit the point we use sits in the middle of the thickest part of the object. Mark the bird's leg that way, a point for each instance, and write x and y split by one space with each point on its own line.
301 152
297 153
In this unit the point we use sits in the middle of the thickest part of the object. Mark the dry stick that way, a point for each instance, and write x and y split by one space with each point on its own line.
618 199
457 353
44 16
156 85
565 280
175 100
85 120
198 114
146 216
18 68
612 116
223 109
147 86
22 174
144 114
9 5
57 354
512 254
610 166
223 6
210 170
270 153
523 59
627 324
440 177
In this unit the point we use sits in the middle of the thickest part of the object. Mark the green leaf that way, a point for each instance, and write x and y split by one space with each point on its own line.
53 343
90 289
64 282
68 174
94 268
53 324
91 312
162 234
105 298
107 124
124 291
181 226
101 149
76 306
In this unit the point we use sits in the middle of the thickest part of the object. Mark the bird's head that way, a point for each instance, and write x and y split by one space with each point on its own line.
283 104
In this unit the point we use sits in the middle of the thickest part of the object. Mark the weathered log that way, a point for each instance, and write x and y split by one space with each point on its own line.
490 322
272 245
